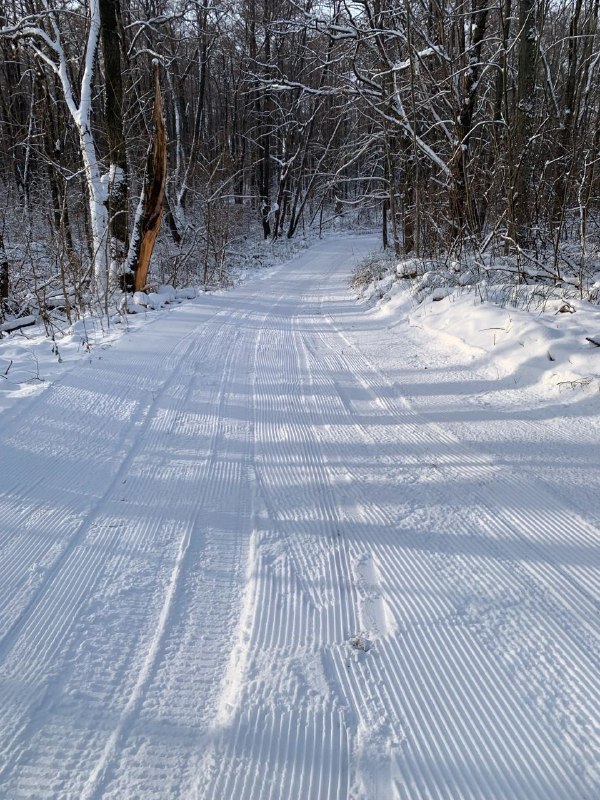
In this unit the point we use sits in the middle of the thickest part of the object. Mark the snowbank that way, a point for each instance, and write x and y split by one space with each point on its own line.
553 343
549 339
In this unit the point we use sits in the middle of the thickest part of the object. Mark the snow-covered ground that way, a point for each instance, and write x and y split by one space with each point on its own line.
271 544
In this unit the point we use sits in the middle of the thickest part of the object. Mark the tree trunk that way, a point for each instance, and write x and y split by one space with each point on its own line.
522 167
264 141
4 277
150 207
118 176
391 179
58 189
463 209
567 126
408 197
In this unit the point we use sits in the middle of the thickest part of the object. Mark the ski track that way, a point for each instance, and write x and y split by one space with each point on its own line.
271 576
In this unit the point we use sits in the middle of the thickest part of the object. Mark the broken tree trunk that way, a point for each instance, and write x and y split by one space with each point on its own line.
150 207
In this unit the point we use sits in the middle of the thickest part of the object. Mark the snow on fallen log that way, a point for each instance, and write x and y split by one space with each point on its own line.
134 308
164 295
147 299
15 324
59 301
188 293
167 293
407 269
155 301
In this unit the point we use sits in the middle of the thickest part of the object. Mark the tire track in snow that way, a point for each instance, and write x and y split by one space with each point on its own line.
203 612
127 455
46 620
224 497
95 780
79 566
49 583
99 776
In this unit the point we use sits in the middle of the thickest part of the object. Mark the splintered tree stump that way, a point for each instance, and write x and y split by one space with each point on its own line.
153 193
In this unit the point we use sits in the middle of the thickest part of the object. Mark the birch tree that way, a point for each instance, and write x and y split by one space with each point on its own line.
41 32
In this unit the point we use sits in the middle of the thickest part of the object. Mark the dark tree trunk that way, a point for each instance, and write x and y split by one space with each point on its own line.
390 143
463 210
568 108
58 189
264 143
523 164
118 178
408 198
14 112
4 276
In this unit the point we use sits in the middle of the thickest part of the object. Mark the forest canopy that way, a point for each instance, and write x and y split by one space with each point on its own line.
452 126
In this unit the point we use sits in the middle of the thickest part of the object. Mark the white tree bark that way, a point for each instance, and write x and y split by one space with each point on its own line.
49 49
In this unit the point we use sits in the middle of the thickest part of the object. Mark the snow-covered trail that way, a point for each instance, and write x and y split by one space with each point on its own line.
236 563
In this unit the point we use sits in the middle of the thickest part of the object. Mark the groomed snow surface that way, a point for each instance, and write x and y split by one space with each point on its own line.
272 545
